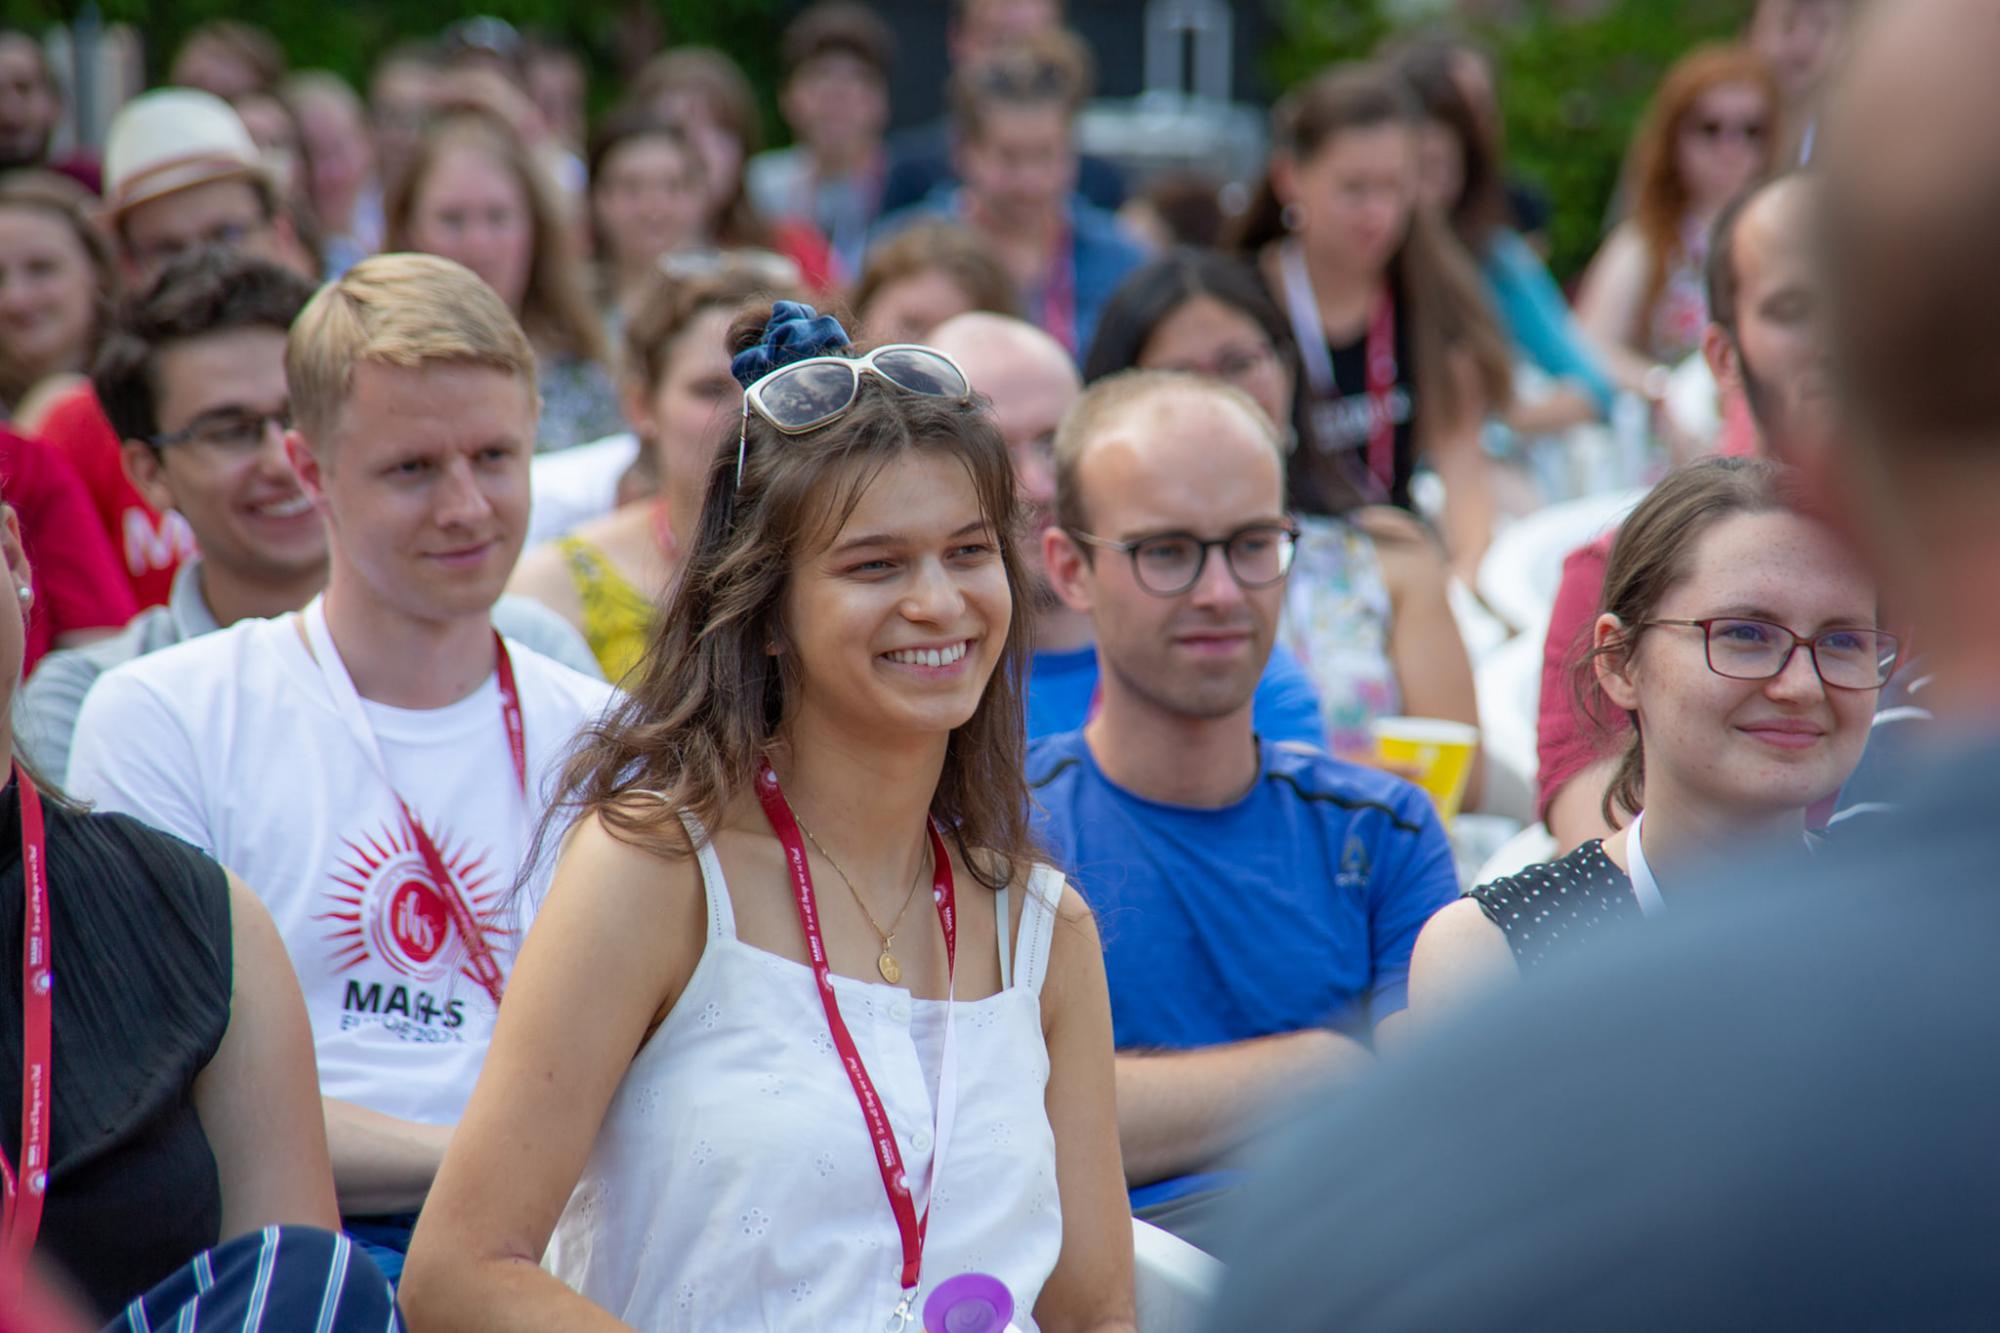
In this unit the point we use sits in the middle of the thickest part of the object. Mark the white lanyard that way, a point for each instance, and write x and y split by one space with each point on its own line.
1302 306
1645 887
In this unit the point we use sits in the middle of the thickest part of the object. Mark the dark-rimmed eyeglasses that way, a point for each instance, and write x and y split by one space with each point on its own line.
1847 659
1167 564
230 431
808 394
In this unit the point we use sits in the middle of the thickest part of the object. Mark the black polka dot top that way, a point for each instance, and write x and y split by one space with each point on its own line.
1557 906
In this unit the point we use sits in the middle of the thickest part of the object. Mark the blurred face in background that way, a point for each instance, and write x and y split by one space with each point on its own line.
276 135
336 143
680 415
27 103
470 208
1207 336
556 86
1020 163
1780 336
649 200
1799 39
211 66
906 310
1355 194
837 104
986 26
1440 166
720 148
48 292
400 101
1723 143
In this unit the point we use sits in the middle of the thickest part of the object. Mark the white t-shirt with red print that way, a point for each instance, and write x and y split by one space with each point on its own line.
233 742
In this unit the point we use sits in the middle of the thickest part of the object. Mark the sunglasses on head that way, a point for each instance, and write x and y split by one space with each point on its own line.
808 394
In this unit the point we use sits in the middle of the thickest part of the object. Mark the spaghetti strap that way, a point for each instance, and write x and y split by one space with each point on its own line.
1038 921
1001 923
721 916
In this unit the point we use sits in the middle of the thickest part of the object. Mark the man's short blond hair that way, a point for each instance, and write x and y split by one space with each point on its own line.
407 310
1110 400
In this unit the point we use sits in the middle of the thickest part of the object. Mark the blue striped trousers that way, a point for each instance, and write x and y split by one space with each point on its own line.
278 1280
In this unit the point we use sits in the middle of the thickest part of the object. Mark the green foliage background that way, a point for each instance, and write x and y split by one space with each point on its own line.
1572 88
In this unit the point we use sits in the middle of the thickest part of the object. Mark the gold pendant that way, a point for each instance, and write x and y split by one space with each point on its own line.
891 970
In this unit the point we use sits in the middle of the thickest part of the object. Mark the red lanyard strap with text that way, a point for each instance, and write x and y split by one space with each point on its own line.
478 949
888 1156
26 1186
1302 307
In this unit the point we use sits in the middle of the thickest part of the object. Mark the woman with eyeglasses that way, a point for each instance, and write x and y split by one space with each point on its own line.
1742 640
1365 609
739 1079
1708 134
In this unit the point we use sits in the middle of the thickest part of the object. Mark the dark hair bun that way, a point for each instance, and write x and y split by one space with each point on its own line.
794 332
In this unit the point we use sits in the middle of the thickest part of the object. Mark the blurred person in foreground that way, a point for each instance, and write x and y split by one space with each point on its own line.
374 764
1030 383
1259 900
1776 1108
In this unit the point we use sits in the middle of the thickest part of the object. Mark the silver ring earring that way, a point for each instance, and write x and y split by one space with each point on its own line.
1292 217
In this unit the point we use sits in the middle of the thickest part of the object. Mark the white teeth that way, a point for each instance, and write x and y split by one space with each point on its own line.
930 657
286 509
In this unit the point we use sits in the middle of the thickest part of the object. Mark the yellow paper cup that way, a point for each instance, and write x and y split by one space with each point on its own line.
1434 752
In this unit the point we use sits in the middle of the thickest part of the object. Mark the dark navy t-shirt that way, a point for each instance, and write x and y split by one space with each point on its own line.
1295 907
1061 686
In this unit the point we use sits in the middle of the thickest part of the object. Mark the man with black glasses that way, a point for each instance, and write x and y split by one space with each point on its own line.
1258 901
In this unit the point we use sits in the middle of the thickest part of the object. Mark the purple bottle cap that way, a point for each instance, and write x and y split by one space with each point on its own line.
969 1303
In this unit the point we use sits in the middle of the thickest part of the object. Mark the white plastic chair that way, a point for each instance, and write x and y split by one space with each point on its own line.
1174 1281
1519 576
1531 846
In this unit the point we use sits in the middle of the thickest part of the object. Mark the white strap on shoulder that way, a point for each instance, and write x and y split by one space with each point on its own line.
1038 924
1002 923
721 917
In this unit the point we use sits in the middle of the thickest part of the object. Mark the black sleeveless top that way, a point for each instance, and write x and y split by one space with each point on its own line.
1325 470
143 971
1552 908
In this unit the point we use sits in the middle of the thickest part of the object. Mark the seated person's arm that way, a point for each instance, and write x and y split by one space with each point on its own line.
1091 1287
1182 1111
617 937
1452 447
1459 954
381 1164
258 1097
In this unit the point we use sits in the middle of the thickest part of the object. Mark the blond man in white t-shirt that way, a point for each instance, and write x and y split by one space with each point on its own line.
378 762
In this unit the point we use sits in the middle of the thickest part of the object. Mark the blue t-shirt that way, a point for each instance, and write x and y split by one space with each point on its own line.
1295 907
1062 685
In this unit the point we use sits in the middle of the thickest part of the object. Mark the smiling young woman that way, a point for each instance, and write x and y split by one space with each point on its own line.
1742 640
826 719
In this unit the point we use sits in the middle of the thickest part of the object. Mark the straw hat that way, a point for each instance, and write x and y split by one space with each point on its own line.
173 139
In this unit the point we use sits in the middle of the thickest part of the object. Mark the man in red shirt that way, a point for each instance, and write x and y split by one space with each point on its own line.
1764 346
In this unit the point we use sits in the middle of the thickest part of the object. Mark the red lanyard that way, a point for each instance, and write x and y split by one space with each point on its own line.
479 951
27 1188
888 1157
1381 380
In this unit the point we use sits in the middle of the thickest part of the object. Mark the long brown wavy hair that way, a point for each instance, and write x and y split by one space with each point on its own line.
1659 195
1442 293
555 310
710 702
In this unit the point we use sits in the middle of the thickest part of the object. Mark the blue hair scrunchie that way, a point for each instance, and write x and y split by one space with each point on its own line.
794 332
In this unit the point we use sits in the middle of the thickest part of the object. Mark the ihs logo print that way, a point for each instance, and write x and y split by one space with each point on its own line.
384 907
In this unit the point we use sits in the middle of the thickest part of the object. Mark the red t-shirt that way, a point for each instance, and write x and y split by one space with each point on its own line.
1567 741
76 579
150 545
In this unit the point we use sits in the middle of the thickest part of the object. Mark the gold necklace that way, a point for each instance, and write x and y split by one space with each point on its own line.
885 963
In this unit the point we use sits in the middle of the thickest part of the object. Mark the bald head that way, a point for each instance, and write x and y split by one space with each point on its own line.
1030 381
1913 195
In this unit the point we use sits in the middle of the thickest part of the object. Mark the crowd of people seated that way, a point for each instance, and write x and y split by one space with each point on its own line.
491 591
